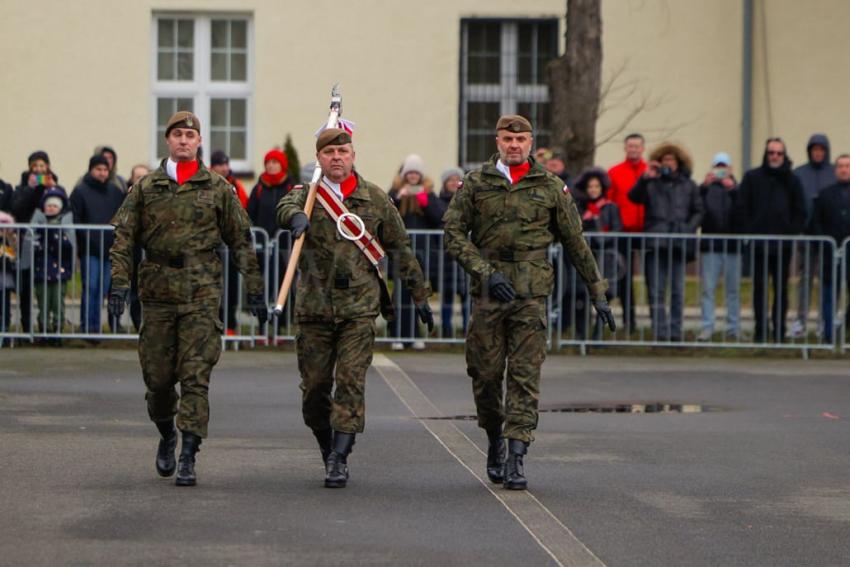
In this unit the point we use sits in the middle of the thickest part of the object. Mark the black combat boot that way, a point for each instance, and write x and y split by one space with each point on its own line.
325 437
496 456
186 464
336 471
165 461
514 472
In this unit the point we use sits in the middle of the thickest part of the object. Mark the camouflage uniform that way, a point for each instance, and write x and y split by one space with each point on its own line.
337 302
180 228
511 229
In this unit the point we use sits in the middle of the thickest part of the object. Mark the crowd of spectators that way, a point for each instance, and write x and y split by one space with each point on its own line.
641 197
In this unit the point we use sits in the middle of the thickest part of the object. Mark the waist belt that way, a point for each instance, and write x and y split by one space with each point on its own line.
521 255
182 261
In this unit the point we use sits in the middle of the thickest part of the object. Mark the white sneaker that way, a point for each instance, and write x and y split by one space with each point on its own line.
798 330
418 345
397 346
705 335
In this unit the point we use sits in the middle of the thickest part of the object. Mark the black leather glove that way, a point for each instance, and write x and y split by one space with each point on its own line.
299 225
423 311
603 311
118 297
257 307
500 288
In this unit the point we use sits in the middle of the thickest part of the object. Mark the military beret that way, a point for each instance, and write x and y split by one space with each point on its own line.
332 136
513 123
183 119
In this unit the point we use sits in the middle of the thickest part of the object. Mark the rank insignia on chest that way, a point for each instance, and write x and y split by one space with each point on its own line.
205 197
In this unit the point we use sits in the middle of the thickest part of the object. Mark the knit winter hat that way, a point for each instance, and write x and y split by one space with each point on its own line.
279 156
413 163
449 172
38 155
6 218
53 200
218 157
98 160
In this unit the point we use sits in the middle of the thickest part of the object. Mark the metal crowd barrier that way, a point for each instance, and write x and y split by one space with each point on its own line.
54 280
665 289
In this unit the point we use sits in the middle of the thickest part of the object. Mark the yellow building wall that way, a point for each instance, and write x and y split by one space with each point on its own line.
78 74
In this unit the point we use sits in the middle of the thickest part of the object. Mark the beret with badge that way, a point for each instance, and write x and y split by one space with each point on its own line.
183 119
332 136
513 123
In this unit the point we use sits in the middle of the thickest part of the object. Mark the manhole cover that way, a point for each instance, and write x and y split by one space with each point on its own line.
613 407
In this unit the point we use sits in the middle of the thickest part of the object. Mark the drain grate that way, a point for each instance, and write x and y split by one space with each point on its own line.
614 407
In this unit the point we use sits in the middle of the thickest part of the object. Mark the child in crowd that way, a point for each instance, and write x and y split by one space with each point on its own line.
54 258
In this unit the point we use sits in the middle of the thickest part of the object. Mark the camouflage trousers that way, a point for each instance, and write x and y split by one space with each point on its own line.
180 343
513 335
335 352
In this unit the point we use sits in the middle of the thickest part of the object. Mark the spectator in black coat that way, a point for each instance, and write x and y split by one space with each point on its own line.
771 202
6 191
420 209
598 215
453 282
831 217
673 206
26 199
95 200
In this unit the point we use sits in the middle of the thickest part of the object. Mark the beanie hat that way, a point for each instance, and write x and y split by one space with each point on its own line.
449 172
413 163
38 155
6 218
97 160
218 157
54 192
279 156
53 200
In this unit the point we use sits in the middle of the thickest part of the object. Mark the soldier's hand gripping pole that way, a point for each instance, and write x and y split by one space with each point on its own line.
333 117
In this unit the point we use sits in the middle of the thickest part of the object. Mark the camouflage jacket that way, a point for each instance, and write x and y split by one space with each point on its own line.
492 225
337 281
180 228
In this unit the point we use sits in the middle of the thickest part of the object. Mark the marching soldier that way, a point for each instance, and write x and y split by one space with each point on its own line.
180 214
341 290
499 227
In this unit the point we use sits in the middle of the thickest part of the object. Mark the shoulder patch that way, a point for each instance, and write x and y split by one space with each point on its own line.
566 189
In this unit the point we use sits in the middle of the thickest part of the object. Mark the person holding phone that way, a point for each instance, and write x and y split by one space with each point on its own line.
420 208
35 181
718 192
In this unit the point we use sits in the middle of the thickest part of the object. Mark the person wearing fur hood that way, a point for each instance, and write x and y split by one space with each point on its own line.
598 214
673 206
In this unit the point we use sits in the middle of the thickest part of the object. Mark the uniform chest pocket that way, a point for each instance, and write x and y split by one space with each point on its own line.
490 203
534 207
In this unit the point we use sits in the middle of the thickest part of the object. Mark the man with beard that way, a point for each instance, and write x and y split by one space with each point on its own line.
499 227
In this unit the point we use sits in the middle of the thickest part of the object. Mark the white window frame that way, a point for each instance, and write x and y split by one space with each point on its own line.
508 92
201 89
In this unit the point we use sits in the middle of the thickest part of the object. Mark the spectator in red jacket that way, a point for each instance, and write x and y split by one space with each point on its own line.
220 163
623 177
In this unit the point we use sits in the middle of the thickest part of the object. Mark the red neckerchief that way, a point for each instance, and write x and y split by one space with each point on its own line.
273 180
519 171
348 186
594 208
185 170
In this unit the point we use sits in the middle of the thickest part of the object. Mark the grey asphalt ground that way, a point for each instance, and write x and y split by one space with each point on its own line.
764 479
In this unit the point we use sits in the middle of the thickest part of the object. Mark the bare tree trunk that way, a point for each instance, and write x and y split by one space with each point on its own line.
574 85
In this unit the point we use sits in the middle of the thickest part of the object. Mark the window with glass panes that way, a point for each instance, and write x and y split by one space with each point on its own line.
503 71
203 64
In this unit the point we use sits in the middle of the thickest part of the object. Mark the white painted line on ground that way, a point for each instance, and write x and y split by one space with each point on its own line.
545 528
